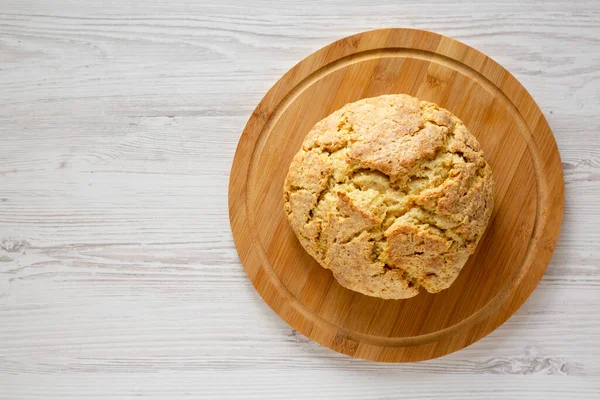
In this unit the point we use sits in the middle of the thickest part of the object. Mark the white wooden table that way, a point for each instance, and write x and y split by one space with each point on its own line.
118 273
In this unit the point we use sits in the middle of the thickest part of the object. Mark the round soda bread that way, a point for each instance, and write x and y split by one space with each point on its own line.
391 194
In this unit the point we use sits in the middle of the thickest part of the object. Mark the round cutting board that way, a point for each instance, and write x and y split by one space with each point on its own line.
511 257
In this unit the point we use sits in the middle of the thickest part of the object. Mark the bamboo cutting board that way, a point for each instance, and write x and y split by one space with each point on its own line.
511 257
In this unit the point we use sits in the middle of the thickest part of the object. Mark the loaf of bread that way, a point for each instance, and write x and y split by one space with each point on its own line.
391 194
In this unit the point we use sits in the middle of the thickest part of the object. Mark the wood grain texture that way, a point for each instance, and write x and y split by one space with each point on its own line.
118 273
512 255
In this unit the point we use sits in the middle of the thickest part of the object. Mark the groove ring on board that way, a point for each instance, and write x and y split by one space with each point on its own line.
493 304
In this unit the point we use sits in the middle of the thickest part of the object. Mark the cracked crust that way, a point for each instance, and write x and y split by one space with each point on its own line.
390 193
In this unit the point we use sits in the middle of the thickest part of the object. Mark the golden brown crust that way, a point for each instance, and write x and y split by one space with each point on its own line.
390 193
